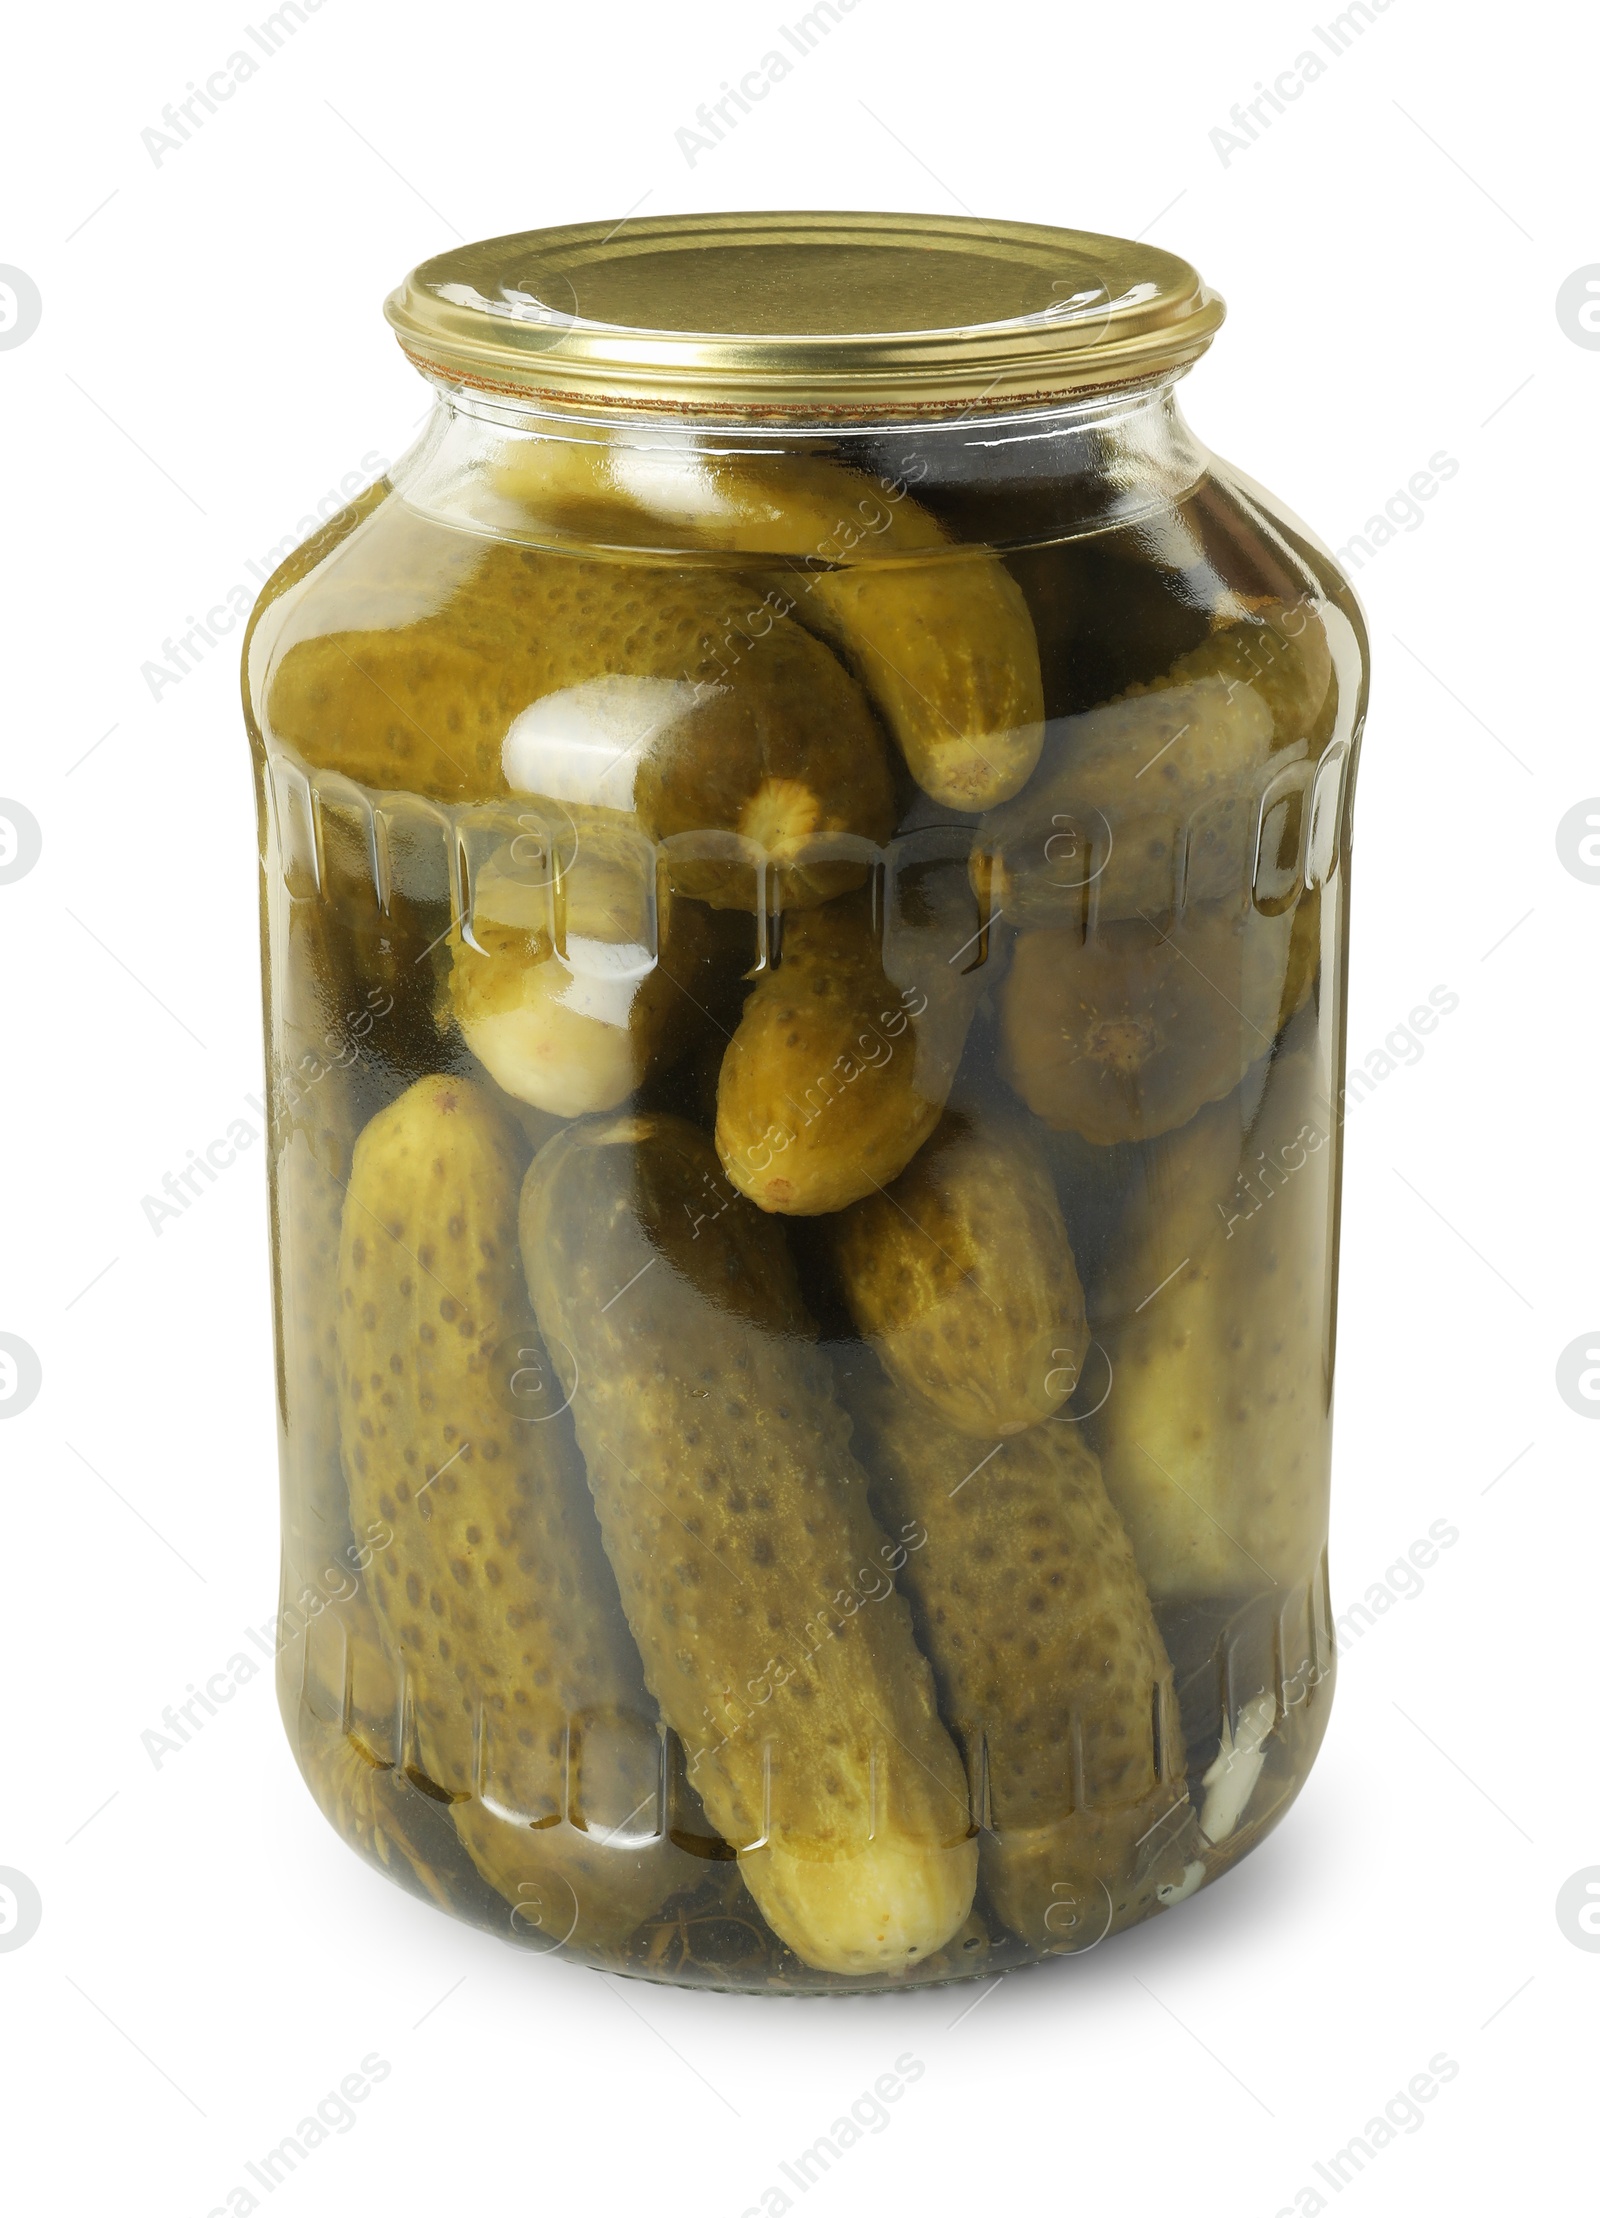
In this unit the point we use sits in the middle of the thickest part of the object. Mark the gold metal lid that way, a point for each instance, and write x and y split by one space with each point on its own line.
819 315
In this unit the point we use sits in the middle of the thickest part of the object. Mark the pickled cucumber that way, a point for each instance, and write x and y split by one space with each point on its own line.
359 905
940 636
312 1122
346 1730
494 1601
310 1168
686 697
1050 1666
838 1072
1126 1033
1179 1200
1215 1435
569 986
962 1277
946 648
1278 649
1153 800
757 1585
387 1026
1188 834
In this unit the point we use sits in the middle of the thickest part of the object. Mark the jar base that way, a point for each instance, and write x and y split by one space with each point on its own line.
709 1935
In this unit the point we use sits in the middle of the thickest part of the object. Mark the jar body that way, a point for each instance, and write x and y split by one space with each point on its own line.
805 983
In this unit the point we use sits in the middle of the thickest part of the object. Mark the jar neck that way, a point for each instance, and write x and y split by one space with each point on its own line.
1092 462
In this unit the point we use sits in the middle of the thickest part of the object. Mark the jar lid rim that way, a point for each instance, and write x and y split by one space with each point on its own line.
821 313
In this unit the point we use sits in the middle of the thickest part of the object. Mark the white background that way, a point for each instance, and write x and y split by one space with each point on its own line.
210 362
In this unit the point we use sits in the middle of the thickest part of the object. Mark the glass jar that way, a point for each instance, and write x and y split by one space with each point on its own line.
804 835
